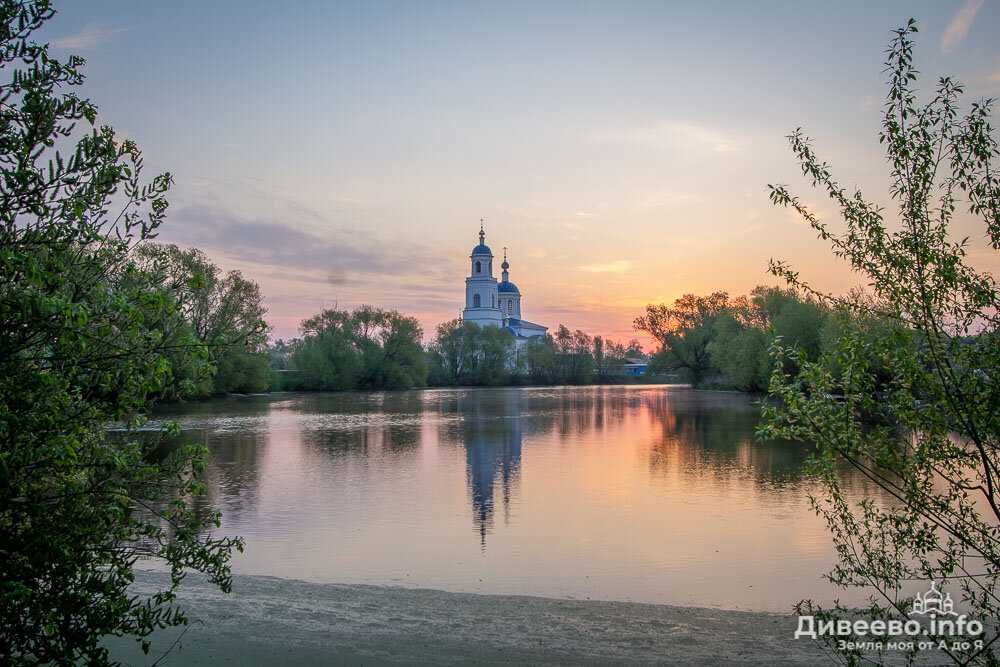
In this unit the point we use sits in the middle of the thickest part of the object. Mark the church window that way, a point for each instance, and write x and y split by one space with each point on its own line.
492 301
475 301
479 267
510 307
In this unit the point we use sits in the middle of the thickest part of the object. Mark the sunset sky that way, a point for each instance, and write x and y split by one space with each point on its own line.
343 153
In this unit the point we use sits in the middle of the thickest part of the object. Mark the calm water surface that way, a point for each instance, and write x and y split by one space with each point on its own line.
651 494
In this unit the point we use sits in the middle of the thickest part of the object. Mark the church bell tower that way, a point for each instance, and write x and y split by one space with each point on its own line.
481 302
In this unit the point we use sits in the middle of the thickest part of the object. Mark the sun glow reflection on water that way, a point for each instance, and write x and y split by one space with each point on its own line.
651 494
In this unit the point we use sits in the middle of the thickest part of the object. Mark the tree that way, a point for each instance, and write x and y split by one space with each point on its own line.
492 349
914 409
740 352
684 332
598 355
540 359
633 349
279 352
574 361
85 330
225 313
389 344
324 358
447 355
609 357
744 330
582 361
368 348
562 349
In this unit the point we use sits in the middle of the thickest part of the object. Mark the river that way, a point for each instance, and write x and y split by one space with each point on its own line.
637 493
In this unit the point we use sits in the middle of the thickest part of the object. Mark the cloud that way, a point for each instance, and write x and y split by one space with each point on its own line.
667 197
584 214
960 24
620 266
535 253
337 256
90 36
671 135
200 182
868 102
995 77
818 211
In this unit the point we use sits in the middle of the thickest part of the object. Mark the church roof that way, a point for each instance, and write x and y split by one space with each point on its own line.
506 286
526 323
482 249
514 322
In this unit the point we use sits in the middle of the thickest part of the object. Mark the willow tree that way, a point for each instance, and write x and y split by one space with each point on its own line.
84 326
684 332
916 409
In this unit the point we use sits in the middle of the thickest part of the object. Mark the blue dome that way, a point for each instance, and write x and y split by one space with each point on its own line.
482 250
507 287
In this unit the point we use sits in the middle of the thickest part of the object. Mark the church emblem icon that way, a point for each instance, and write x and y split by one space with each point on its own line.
933 602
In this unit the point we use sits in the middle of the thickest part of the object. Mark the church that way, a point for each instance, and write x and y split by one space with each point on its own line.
488 302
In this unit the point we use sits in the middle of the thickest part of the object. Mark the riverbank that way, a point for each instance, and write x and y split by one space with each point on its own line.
274 621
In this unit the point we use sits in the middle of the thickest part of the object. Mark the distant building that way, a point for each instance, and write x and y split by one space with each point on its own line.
635 366
488 302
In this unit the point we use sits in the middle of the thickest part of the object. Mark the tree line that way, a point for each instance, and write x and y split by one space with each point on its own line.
464 353
374 348
711 341
722 341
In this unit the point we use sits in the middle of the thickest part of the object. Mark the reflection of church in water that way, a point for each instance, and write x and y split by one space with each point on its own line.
492 456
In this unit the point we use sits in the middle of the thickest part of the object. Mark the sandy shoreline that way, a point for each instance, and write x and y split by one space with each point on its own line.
267 620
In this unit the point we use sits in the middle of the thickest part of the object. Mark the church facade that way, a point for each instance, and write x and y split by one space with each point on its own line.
492 302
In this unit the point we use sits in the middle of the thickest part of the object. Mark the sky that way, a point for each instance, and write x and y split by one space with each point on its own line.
343 153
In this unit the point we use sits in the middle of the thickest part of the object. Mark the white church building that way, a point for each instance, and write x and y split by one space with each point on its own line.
488 302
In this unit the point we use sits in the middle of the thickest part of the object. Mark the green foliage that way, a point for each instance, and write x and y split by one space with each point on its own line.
540 360
278 353
574 360
684 332
490 365
703 337
368 348
85 336
906 390
660 363
741 353
798 324
222 312
744 331
237 370
465 353
610 357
